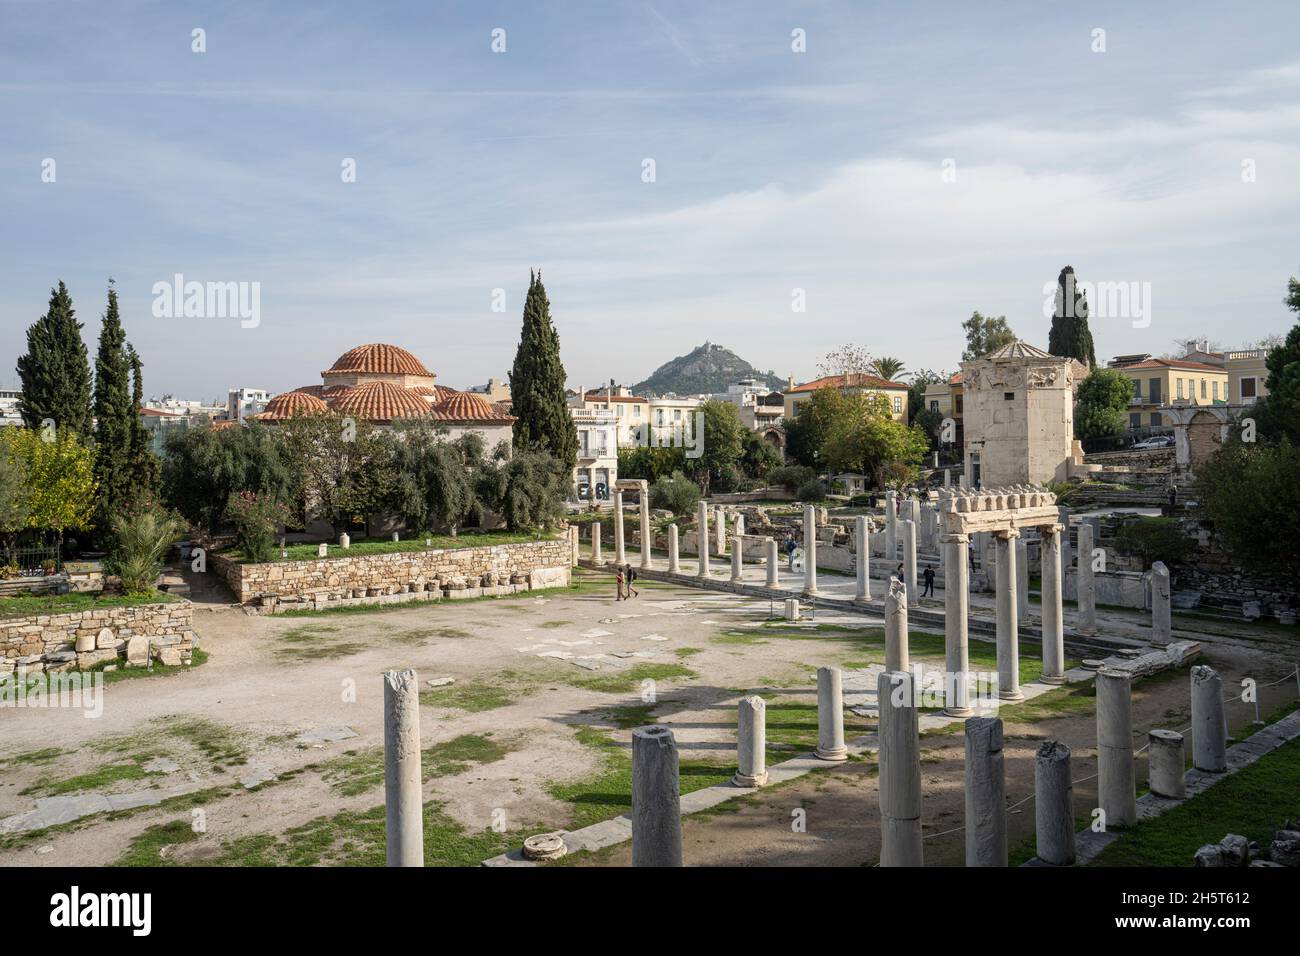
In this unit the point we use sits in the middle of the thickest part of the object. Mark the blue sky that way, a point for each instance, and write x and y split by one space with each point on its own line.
775 171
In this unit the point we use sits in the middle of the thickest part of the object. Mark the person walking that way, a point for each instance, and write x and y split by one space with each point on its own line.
620 585
899 573
928 590
630 576
789 551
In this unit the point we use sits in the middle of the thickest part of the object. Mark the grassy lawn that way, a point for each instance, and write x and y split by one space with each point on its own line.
364 546
1253 802
29 604
621 682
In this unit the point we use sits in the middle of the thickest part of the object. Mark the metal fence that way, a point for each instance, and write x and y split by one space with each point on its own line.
32 560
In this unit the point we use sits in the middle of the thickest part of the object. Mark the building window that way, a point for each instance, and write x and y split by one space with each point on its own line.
677 414
1202 388
957 402
636 411
1178 384
1008 396
1155 419
1135 420
934 405
898 403
1216 391
1248 389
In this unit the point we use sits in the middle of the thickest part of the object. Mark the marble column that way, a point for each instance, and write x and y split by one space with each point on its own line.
403 780
1022 581
647 539
830 715
573 545
863 558
1166 760
674 558
1209 732
1054 804
1115 783
986 793
1085 584
1051 603
896 637
909 564
773 575
738 523
1063 519
947 477
737 561
751 743
702 536
656 798
1161 620
809 550
720 523
596 559
956 657
620 554
900 772
1008 627
891 529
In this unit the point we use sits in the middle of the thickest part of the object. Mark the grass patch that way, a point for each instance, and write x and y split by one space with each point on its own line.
44 755
480 695
355 772
555 623
99 779
215 742
29 604
197 659
1254 802
620 682
684 652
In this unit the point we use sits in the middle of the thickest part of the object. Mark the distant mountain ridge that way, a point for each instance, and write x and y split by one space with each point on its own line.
706 368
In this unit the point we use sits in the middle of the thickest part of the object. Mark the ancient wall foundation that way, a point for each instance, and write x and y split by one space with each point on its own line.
81 639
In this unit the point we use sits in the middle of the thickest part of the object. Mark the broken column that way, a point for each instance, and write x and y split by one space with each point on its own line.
956 653
900 771
863 557
656 798
737 559
403 780
647 538
1085 584
573 545
702 538
896 654
1115 784
738 525
1161 622
1054 804
751 743
1008 627
1166 758
773 580
986 799
909 564
947 477
1051 604
596 558
620 555
674 560
891 528
720 521
1209 733
1063 519
1022 581
809 550
830 715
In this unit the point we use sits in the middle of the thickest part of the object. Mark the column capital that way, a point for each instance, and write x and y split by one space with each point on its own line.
1007 534
1050 529
956 537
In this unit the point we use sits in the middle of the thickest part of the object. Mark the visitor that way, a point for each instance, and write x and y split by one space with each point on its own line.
789 551
620 585
928 590
630 576
899 573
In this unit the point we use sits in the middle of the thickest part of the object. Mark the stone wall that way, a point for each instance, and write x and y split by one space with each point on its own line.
81 639
432 574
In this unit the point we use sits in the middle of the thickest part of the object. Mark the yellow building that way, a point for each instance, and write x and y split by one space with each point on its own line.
946 398
1246 375
895 392
1158 382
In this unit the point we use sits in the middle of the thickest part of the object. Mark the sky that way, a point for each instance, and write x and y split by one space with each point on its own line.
914 163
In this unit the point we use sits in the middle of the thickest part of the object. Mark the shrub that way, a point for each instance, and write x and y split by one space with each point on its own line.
142 535
811 490
791 477
677 493
1154 539
256 517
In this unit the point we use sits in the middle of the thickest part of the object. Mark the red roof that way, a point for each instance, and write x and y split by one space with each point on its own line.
378 358
292 405
956 379
1174 363
160 414
381 402
854 380
468 407
599 396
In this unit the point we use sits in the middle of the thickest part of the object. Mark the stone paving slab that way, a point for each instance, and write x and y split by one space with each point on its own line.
53 811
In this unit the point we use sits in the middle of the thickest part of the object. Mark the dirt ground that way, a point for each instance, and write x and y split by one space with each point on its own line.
268 679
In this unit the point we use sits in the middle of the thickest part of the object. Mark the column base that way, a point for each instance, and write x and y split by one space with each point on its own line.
810 592
1084 631
1054 679
747 782
1012 695
958 712
863 600
839 753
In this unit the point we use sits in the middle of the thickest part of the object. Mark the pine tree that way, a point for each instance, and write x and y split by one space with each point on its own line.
1070 336
144 465
113 418
55 372
537 383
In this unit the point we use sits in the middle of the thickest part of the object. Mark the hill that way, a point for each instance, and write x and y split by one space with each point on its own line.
707 368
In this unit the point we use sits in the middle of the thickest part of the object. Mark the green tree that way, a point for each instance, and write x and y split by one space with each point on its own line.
1278 414
759 456
143 533
203 466
526 490
887 367
343 469
916 390
15 498
649 462
862 436
60 478
114 421
676 493
537 383
722 445
144 464
1101 407
55 373
985 335
1248 491
1070 336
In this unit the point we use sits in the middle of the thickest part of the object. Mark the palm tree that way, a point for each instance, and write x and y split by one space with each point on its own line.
888 368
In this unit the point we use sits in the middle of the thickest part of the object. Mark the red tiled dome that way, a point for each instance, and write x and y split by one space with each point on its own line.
379 359
432 393
292 405
468 407
381 402
313 390
332 393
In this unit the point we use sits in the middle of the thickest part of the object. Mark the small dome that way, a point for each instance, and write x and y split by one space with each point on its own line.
378 359
332 393
313 390
292 405
381 402
432 393
468 407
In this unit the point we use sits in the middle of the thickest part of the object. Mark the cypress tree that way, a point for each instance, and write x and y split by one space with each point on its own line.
113 418
144 466
55 372
537 383
1070 336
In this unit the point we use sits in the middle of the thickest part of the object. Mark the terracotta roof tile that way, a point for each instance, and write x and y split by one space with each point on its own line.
468 407
292 405
381 402
378 358
854 380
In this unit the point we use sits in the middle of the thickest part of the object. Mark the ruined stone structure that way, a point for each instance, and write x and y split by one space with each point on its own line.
82 639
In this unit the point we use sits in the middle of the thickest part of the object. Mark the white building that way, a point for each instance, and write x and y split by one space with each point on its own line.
9 398
597 469
244 403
